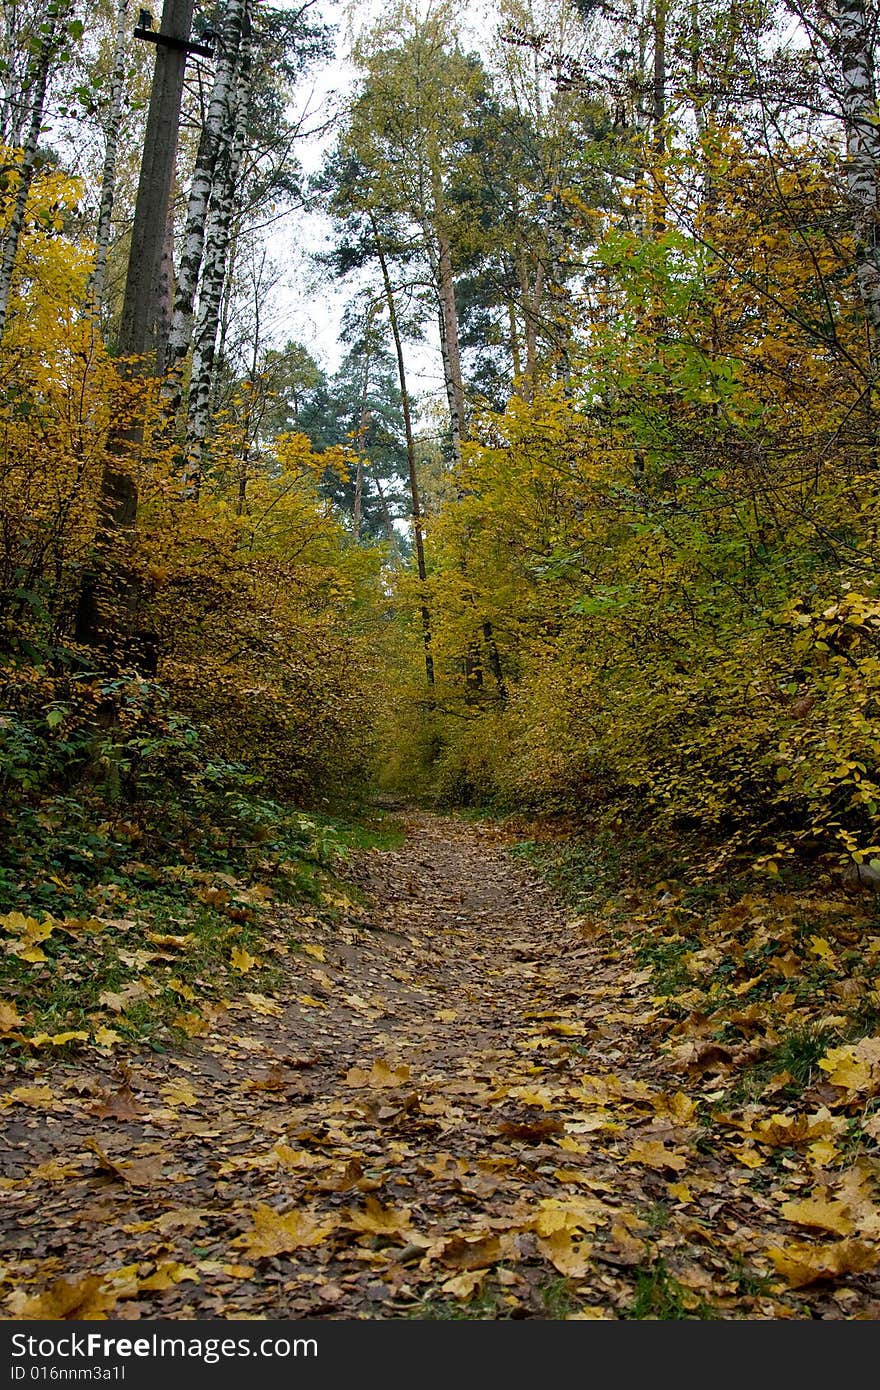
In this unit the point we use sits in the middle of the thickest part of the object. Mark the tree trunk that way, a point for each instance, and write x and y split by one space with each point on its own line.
137 330
410 443
450 345
117 503
215 274
39 81
858 96
362 429
658 218
165 286
98 279
215 130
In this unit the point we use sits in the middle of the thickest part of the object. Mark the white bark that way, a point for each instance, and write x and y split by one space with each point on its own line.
98 280
449 344
215 272
216 128
858 96
39 85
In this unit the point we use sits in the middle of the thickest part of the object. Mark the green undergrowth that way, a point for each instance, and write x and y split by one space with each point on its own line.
128 918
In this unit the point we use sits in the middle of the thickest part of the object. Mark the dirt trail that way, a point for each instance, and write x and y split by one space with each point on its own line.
452 1108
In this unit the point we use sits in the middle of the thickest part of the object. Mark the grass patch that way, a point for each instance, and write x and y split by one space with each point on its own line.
659 1296
129 935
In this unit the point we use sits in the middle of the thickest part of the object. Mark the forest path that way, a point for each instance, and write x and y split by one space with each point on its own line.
453 1106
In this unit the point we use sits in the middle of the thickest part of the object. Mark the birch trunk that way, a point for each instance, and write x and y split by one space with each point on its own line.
214 131
449 342
98 278
39 82
362 429
215 275
858 98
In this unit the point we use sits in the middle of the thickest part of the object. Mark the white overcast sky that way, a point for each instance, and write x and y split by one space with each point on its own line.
308 310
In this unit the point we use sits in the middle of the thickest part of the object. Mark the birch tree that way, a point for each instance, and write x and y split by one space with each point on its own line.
218 239
215 131
98 279
39 73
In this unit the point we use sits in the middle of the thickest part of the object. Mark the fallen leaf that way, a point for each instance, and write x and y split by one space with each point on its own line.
803 1264
179 1093
381 1074
275 1234
58 1039
38 1097
261 1005
316 952
9 1018
653 1154
137 1172
121 1105
464 1286
80 1299
242 960
567 1253
471 1252
380 1221
820 1214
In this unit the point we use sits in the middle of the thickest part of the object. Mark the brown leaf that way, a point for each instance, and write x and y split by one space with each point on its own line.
531 1130
471 1252
120 1105
137 1172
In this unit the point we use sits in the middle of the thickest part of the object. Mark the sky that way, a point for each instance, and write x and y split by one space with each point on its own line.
309 309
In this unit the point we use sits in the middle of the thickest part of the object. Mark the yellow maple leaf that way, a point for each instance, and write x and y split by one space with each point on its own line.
569 1215
803 1264
822 1215
380 1221
823 1153
653 1154
679 1192
316 952
58 1039
68 1299
261 1005
855 1066
380 1074
568 1254
275 1234
38 1097
193 1024
177 1093
242 959
28 952
168 1273
822 948
464 1286
310 1001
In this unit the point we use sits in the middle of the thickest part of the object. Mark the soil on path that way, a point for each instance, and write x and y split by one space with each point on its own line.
453 1107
